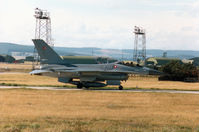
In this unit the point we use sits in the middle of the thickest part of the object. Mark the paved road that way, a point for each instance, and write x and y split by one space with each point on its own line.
136 90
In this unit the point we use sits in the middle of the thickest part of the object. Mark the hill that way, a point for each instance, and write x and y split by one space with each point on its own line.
7 48
125 54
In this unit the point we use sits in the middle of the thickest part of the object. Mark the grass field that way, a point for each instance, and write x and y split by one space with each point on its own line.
28 110
16 66
133 82
90 111
27 79
23 78
154 83
6 67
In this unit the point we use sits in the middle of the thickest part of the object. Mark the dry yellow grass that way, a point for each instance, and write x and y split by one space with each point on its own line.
133 82
66 111
5 67
152 82
15 66
27 79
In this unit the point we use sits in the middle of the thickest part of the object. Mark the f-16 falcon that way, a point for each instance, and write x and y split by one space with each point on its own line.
83 75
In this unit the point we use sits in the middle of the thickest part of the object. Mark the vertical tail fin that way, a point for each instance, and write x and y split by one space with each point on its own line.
46 53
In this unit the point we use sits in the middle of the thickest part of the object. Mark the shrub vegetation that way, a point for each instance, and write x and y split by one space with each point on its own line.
178 71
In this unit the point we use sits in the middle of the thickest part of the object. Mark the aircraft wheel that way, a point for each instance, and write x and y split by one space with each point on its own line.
120 87
79 86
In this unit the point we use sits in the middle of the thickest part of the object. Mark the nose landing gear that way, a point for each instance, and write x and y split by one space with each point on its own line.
120 87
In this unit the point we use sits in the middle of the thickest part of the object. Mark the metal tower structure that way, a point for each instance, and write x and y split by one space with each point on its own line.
43 26
42 30
139 53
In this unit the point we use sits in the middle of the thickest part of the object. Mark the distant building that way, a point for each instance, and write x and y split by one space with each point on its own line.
21 55
164 55
185 61
129 63
159 61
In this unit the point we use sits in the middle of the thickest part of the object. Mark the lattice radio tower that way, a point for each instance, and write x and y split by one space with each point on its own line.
139 53
42 30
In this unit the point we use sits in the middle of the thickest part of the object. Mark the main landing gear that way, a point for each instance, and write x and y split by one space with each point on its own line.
80 86
120 87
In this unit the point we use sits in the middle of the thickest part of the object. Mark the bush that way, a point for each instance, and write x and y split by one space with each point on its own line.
2 59
29 58
9 59
177 71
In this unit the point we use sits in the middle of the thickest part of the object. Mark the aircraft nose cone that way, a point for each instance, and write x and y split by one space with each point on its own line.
155 72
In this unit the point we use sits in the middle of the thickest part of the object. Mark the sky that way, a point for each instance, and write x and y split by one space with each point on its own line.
169 24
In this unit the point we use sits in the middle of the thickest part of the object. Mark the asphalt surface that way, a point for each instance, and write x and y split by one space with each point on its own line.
134 90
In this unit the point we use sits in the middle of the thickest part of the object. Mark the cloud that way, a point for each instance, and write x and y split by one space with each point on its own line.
195 4
16 22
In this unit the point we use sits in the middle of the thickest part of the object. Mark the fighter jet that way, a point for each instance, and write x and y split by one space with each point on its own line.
83 75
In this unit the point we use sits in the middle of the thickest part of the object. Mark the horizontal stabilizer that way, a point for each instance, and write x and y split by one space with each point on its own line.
39 72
